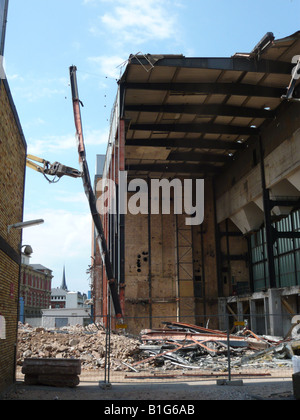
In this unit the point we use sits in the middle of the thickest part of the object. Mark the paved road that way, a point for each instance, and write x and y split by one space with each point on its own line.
263 389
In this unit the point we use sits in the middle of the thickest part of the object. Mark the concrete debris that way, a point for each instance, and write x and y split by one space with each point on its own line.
193 347
77 342
176 347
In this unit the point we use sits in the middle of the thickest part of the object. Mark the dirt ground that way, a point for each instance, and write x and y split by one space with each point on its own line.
90 388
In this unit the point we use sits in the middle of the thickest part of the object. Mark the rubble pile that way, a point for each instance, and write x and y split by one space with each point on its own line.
187 346
76 342
178 346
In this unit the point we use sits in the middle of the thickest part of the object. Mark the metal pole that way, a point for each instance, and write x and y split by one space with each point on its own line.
228 349
149 258
109 337
105 361
106 384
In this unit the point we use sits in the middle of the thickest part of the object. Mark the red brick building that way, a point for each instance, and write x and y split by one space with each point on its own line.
35 289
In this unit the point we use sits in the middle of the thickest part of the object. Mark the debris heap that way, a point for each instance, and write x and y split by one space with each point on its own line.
178 346
85 343
186 346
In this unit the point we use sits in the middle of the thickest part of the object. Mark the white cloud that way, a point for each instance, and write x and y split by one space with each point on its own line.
34 89
70 197
64 238
63 233
65 142
136 22
110 66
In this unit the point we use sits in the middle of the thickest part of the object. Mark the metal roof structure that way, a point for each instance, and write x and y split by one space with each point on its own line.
191 116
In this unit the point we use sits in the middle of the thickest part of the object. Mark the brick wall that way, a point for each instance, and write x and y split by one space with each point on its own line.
9 272
12 165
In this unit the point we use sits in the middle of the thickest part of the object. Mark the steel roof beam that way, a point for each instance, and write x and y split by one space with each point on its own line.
247 64
186 143
209 110
238 89
190 168
198 157
196 128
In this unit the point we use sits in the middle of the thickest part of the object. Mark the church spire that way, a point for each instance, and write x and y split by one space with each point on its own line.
63 282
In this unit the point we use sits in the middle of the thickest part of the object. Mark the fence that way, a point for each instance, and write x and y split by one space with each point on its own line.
177 351
143 350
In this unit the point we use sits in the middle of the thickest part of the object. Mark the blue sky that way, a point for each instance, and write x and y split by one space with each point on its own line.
45 37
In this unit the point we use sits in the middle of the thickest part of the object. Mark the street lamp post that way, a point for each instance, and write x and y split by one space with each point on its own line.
23 225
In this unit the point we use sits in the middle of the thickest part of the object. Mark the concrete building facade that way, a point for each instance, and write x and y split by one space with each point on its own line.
235 123
64 317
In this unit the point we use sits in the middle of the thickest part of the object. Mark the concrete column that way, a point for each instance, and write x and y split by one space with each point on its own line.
253 316
222 302
275 312
240 313
267 315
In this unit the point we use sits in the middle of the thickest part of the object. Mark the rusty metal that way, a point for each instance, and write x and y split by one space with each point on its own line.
160 335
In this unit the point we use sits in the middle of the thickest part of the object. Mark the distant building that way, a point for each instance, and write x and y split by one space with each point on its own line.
67 308
63 317
58 294
75 300
61 297
35 288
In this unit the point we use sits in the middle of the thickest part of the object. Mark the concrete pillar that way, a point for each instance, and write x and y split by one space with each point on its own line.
267 316
222 302
253 316
240 313
275 312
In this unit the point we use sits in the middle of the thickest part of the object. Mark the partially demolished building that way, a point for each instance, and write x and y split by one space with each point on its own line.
235 123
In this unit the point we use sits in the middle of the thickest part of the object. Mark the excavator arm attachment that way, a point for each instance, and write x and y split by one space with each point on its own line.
55 169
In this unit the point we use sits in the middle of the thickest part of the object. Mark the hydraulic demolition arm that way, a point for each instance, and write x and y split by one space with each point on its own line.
91 196
52 169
